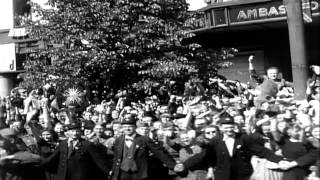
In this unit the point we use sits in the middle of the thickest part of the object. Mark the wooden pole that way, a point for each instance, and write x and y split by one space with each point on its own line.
297 47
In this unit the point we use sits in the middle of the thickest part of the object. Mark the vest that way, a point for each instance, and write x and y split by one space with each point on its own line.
128 163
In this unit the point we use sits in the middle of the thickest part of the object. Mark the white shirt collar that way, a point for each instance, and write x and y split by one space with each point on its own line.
294 140
130 137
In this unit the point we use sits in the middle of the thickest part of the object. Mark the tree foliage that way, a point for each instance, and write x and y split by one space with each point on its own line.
110 44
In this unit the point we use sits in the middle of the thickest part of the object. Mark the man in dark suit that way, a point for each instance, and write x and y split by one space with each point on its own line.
231 154
77 159
131 153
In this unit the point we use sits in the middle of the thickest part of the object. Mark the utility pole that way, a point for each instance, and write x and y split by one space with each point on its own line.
297 47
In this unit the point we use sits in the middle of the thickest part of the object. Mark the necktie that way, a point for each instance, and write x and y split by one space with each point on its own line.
70 148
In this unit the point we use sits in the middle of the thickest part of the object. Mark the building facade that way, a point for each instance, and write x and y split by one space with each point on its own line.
257 27
15 43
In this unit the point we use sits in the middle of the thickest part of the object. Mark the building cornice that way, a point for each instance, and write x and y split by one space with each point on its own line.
231 3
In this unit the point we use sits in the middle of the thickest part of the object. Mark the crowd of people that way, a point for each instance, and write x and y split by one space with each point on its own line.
236 132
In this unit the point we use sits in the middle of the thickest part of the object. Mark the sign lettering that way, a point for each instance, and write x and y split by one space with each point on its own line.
268 11
307 15
252 13
315 6
8 58
258 12
11 67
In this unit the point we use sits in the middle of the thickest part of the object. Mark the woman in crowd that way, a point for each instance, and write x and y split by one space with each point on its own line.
189 149
264 169
299 152
211 132
47 144
59 130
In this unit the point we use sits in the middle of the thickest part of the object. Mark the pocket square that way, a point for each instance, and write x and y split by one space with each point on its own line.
239 146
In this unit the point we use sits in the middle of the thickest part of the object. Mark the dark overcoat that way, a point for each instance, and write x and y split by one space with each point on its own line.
235 167
85 162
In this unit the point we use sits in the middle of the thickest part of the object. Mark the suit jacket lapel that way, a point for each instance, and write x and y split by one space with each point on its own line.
121 145
64 147
74 147
224 148
237 145
137 143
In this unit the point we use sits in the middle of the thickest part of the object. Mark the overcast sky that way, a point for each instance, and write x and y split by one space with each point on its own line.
6 16
196 4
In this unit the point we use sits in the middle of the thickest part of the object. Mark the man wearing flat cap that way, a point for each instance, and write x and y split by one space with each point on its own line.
77 159
231 154
131 153
143 128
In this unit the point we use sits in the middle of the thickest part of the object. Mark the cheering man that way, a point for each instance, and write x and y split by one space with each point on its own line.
132 153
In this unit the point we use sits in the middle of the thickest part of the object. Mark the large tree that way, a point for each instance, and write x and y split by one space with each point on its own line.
110 44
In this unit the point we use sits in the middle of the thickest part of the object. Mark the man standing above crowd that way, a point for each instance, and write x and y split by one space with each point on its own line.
269 85
132 153
272 74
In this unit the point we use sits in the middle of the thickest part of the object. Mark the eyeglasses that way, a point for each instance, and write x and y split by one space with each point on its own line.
211 132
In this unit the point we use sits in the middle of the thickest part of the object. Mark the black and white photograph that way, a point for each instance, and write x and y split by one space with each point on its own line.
159 90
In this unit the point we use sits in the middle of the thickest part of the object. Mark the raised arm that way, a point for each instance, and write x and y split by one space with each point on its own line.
252 71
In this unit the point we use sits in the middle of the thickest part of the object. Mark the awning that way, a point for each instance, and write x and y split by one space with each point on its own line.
18 32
